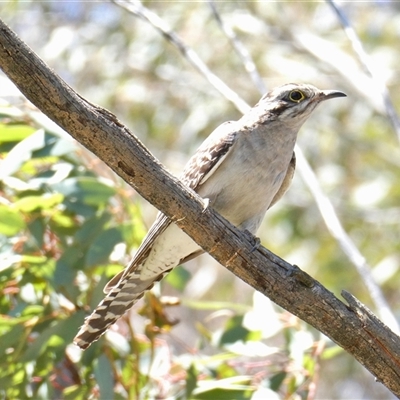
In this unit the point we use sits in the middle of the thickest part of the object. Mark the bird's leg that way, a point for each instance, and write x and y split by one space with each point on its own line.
254 240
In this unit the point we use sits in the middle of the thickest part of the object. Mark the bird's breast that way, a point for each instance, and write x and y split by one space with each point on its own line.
244 185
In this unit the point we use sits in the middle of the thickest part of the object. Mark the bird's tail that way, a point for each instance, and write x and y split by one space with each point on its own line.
119 300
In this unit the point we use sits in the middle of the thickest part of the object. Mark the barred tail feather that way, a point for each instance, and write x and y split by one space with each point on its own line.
119 300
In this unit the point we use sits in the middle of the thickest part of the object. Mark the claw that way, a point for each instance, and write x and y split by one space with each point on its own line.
254 240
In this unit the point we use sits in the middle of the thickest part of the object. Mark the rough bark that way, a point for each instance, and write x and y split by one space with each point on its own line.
352 327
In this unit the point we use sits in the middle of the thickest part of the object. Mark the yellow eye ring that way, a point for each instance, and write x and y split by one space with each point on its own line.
296 96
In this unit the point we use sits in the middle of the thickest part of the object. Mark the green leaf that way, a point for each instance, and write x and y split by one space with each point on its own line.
29 259
224 394
191 380
93 191
102 246
76 392
61 220
235 331
37 228
21 152
11 221
331 352
32 203
66 270
65 331
11 338
74 257
276 381
309 364
33 311
238 388
178 278
14 132
104 377
90 230
85 189
225 370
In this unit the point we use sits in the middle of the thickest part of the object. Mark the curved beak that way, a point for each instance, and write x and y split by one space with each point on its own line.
330 94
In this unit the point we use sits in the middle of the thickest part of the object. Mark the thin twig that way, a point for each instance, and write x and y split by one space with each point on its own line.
336 229
136 7
365 61
240 49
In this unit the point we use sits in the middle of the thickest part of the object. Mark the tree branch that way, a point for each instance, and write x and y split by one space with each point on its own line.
101 132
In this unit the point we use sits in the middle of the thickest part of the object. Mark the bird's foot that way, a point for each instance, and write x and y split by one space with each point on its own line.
254 240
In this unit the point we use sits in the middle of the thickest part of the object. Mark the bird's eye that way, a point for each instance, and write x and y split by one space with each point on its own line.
296 96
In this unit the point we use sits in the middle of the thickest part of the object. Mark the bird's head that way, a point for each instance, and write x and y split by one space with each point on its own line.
293 103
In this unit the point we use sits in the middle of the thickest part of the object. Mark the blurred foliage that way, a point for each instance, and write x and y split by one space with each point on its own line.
67 224
61 224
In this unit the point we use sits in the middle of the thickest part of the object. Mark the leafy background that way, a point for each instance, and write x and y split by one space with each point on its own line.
67 223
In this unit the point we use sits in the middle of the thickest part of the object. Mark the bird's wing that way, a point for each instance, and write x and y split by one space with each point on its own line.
198 169
287 180
130 284
209 155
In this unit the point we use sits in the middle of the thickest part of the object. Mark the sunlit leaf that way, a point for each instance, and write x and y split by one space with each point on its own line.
62 220
31 203
21 153
14 132
224 394
76 392
11 221
33 310
238 387
331 352
224 370
30 259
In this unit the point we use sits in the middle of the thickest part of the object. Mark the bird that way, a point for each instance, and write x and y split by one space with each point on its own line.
243 168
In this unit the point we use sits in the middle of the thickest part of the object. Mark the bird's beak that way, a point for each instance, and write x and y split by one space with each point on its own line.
330 94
